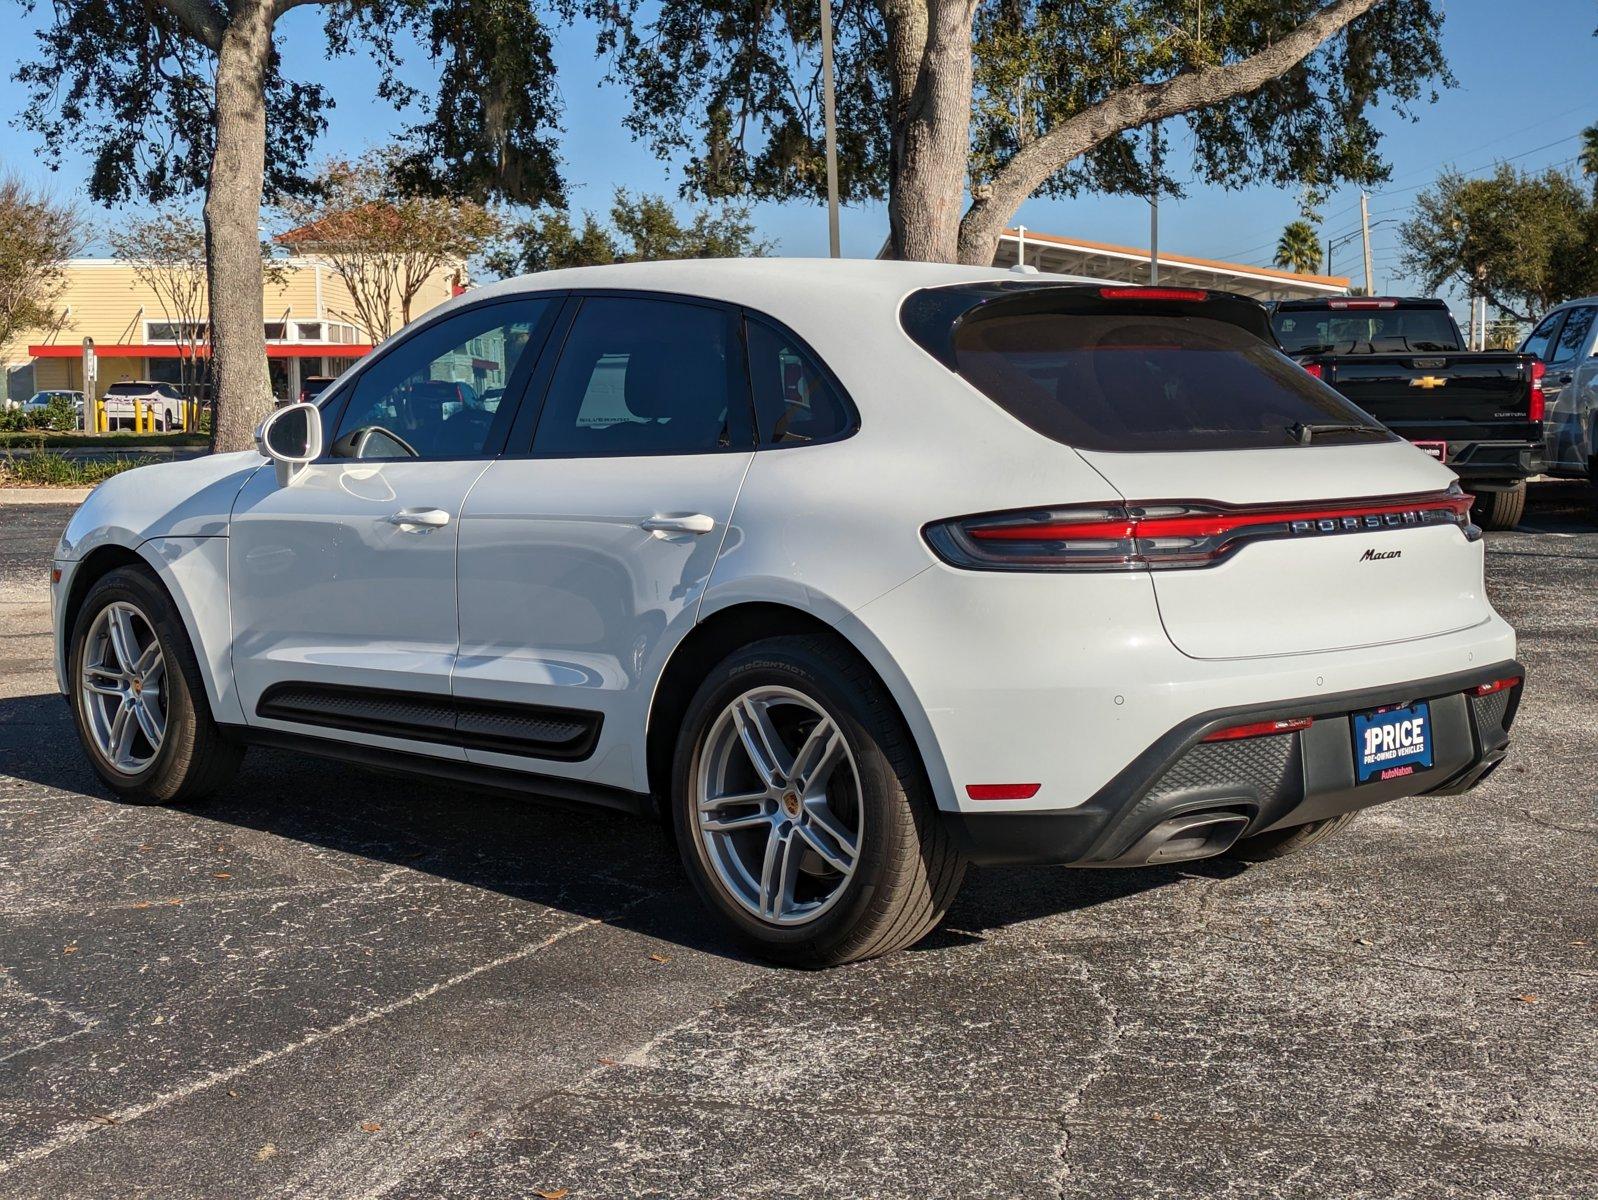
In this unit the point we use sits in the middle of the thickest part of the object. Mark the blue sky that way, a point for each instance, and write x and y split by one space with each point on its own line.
1525 85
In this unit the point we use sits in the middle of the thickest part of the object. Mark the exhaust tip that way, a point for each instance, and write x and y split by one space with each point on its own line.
1185 837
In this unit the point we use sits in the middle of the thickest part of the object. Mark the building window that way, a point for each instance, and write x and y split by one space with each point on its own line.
175 331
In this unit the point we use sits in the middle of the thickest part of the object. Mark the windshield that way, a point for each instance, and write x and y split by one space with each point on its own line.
1151 383
1365 331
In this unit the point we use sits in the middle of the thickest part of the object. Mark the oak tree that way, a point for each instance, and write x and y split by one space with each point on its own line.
643 228
956 111
1525 241
167 97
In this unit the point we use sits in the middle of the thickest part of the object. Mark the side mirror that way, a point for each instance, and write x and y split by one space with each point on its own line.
291 437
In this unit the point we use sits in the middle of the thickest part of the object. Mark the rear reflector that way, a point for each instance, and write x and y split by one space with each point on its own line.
1180 295
1260 729
1002 791
1315 370
1497 685
1170 534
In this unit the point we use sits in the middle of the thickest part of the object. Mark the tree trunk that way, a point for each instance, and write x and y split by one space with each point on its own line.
930 67
232 228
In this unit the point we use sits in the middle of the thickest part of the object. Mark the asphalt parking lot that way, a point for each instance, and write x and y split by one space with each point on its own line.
334 983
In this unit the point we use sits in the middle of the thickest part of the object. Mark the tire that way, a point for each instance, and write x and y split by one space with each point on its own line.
905 871
194 758
1499 510
1279 843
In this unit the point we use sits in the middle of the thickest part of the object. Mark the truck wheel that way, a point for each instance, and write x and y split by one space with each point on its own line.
802 813
1500 510
1279 843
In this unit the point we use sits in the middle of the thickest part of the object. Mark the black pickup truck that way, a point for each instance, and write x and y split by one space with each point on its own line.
1404 362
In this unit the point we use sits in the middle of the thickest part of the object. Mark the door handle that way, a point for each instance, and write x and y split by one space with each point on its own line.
693 523
420 518
1566 377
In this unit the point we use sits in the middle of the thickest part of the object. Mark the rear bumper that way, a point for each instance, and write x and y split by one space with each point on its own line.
1184 798
1490 465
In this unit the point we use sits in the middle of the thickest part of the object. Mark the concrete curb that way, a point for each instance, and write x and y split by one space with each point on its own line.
43 495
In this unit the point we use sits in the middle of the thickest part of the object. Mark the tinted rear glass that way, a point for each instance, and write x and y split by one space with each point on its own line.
1365 330
1148 383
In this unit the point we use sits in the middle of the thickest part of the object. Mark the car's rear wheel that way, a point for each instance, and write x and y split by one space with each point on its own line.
801 809
1279 843
138 698
1499 510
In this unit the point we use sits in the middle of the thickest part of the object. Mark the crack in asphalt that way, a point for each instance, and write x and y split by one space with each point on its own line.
78 1131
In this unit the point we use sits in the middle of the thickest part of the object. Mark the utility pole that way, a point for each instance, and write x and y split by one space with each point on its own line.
1154 206
829 120
1365 235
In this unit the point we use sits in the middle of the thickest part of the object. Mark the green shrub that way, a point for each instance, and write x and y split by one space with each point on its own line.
46 469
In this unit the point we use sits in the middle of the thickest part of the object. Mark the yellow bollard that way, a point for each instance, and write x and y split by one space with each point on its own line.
101 424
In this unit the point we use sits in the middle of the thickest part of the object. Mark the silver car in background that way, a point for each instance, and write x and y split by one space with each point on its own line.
1567 341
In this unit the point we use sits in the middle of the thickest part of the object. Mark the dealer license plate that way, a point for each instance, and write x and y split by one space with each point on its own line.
1392 743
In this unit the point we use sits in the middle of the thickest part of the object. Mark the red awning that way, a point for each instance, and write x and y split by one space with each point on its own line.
168 350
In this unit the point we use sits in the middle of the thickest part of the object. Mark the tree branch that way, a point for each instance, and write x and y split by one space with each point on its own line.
1138 105
199 18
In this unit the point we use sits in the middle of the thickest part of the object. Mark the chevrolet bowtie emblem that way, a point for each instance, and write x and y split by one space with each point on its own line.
1428 382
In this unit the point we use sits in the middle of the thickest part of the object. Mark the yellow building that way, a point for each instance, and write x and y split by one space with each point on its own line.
310 329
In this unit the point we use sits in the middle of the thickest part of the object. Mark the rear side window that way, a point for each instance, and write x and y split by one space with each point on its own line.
1537 344
646 377
794 402
1574 335
1148 383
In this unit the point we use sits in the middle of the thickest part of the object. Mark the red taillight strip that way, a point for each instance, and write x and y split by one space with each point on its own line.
1497 685
1224 520
1260 729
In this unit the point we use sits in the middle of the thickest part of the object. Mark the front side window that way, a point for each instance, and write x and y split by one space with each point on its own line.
1538 342
1149 383
1573 336
438 393
644 376
794 402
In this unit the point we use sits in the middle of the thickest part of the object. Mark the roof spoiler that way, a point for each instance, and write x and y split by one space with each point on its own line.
933 315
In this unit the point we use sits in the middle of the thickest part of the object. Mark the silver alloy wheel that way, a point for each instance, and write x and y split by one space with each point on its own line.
778 805
120 688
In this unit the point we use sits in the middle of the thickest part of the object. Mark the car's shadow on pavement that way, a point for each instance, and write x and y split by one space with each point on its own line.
587 861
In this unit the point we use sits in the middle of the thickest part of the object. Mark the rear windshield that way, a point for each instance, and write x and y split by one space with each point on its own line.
1365 331
1148 383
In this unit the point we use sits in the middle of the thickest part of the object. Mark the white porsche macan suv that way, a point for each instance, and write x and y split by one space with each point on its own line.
856 572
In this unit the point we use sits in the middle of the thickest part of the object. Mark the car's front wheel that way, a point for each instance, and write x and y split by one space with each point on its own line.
137 696
802 813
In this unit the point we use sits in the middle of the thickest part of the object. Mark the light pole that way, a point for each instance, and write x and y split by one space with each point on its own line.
829 121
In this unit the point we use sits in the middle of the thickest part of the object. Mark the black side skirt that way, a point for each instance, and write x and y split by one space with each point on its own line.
561 734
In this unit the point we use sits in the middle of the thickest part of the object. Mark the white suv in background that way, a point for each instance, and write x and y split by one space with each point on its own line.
856 572
161 402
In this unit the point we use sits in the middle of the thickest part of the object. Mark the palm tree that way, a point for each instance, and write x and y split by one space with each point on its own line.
1589 155
1299 249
